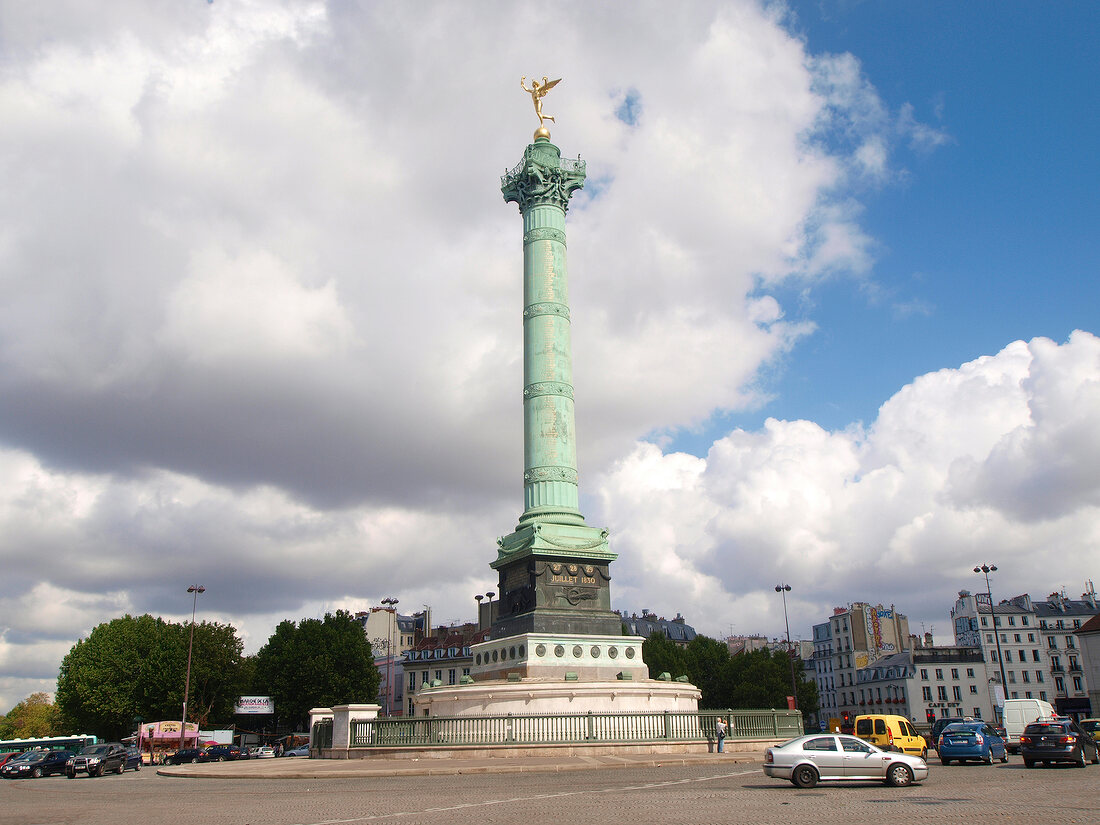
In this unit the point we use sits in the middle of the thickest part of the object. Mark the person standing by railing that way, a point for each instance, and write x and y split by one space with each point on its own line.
720 729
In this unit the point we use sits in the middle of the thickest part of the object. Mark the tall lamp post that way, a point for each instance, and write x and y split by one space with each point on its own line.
391 634
986 569
489 595
196 589
784 589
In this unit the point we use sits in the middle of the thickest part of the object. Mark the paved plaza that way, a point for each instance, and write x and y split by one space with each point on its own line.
703 789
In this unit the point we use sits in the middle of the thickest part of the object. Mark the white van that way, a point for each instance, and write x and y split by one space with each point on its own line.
1018 714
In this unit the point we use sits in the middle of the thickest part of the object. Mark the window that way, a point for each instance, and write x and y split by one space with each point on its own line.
1035 656
1039 676
854 745
1052 642
1031 637
412 681
1059 684
984 623
1015 695
977 713
954 673
1027 677
1070 642
1027 694
939 673
1008 655
822 743
996 621
926 693
989 638
452 676
1012 677
1043 695
973 688
924 673
1055 663
1023 621
465 671
970 673
1016 638
1012 620
942 693
1077 684
1004 638
957 693
1076 623
424 677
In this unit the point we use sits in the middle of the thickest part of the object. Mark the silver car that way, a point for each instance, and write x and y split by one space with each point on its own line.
827 756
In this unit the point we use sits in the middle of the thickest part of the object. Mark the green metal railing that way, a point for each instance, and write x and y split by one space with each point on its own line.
581 728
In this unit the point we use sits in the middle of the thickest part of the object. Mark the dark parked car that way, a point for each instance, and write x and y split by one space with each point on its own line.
1057 740
34 764
185 756
97 760
221 753
133 758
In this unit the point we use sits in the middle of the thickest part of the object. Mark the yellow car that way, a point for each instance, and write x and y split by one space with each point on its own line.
1091 727
891 732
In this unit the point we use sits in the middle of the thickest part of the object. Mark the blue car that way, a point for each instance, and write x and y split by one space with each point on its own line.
971 740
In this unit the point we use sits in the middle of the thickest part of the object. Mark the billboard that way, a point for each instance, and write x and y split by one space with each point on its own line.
254 705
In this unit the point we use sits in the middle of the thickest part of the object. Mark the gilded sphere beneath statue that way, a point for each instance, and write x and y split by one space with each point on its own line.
542 132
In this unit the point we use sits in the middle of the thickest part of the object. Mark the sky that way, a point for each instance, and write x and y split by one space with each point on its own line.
834 300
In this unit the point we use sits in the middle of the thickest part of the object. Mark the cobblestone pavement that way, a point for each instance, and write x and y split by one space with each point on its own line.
715 790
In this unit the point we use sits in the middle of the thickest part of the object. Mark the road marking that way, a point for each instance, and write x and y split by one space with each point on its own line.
489 802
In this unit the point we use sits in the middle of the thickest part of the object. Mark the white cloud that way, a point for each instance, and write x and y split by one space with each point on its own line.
994 460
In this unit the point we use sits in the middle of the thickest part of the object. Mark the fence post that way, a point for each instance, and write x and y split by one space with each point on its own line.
775 722
591 735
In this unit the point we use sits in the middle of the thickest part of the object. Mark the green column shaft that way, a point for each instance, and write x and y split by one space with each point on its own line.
541 185
550 448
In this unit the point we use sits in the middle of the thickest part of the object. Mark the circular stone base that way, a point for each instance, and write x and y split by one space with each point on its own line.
557 697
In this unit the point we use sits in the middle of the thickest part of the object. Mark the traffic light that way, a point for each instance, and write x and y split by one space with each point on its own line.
930 715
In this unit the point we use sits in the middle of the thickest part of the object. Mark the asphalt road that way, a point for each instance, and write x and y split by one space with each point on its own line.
698 793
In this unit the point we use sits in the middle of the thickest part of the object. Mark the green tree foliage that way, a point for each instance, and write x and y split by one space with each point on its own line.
316 663
760 679
34 717
134 667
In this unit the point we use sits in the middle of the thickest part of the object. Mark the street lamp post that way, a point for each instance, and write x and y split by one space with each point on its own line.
489 595
195 589
986 569
784 589
390 639
478 598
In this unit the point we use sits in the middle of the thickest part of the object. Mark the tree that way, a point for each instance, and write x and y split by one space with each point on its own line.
663 656
760 679
134 667
316 663
34 717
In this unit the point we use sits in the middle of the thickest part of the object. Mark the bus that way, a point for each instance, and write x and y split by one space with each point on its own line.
50 743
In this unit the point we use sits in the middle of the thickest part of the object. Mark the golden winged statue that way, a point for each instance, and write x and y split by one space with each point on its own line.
538 92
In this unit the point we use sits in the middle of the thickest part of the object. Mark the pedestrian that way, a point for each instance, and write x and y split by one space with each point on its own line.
720 728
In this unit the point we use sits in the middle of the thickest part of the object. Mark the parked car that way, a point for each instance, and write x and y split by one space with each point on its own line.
301 750
221 753
184 756
5 757
1057 740
133 758
1091 727
970 740
823 757
891 732
34 764
265 752
96 760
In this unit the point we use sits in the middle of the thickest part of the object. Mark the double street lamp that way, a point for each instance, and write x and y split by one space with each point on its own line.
196 589
784 589
986 569
488 595
391 634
